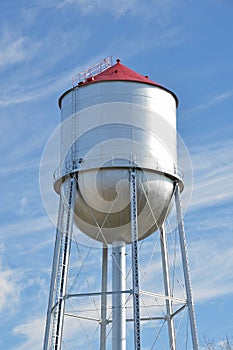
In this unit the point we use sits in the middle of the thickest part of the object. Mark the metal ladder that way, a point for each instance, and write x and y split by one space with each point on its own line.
74 128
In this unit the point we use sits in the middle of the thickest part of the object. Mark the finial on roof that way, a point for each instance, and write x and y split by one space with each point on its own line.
118 60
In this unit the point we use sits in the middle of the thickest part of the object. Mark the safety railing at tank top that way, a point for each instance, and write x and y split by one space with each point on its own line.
70 167
92 71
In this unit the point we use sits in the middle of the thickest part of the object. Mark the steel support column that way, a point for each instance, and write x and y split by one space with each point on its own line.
53 277
185 263
56 307
103 324
118 299
135 272
167 287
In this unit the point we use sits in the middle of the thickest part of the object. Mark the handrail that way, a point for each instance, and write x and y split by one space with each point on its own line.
92 71
71 167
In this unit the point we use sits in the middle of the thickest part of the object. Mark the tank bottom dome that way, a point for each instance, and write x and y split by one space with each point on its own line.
103 201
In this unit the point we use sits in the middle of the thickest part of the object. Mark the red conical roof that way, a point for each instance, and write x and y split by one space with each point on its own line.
119 72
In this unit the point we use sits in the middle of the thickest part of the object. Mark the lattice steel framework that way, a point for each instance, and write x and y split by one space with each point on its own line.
57 297
58 288
135 274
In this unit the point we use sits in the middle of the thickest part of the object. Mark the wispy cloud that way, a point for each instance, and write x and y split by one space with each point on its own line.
214 100
8 288
27 92
14 52
213 167
16 47
34 79
117 8
211 268
9 291
21 166
152 8
26 227
33 332
165 38
75 332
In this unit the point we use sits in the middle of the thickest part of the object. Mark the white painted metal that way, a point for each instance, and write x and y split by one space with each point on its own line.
52 292
139 112
167 288
103 324
119 123
135 272
104 195
78 295
56 308
184 254
74 127
163 297
125 157
118 299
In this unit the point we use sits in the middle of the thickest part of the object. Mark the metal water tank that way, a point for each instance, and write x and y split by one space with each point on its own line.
113 121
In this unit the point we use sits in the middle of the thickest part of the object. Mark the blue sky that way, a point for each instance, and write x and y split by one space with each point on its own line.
183 45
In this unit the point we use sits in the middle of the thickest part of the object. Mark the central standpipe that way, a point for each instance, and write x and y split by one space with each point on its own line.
118 297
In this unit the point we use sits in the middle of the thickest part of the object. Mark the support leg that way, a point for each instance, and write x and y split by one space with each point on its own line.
167 287
118 299
135 273
104 298
185 263
53 277
55 317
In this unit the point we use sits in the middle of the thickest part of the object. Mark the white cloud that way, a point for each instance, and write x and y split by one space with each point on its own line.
26 93
86 7
26 227
23 205
20 167
76 331
160 9
15 47
9 291
32 81
13 52
211 271
33 332
213 167
217 99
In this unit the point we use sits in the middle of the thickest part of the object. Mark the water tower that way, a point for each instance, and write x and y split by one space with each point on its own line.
117 178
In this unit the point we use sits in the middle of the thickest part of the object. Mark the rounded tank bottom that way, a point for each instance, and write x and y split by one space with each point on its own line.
102 208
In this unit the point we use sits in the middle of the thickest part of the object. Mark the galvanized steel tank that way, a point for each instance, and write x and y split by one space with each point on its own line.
111 122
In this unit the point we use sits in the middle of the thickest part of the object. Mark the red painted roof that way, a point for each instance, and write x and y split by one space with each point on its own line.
119 72
122 73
